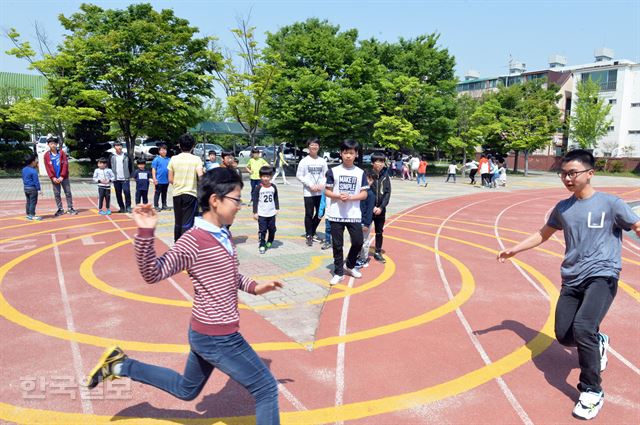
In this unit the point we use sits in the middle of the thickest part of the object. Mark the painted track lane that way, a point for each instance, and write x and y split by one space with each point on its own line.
408 359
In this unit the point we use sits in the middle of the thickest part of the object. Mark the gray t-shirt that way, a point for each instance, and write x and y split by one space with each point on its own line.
593 235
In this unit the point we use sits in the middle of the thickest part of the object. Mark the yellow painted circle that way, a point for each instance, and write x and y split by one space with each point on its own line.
87 273
344 412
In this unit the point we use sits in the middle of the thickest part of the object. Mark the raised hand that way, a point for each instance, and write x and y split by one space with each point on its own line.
145 216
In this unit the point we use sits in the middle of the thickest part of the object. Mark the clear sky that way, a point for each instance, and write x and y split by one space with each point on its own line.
482 35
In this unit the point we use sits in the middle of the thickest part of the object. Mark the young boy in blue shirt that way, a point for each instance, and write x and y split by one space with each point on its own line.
31 183
160 174
592 223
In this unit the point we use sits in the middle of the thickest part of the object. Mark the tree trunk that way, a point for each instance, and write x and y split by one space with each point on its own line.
515 162
526 162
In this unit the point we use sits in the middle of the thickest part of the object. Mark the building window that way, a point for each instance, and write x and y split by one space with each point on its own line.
612 101
606 79
634 131
635 105
611 128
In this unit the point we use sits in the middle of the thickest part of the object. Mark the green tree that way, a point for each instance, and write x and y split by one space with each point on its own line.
247 80
326 87
590 120
464 141
395 133
146 68
417 84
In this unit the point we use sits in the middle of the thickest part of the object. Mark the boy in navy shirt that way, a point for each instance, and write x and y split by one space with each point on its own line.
31 186
142 176
265 207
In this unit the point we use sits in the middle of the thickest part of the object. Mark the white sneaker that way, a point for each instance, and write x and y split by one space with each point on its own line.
603 341
352 272
588 405
336 279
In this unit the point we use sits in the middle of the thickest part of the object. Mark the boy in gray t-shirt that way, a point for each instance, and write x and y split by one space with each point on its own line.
592 223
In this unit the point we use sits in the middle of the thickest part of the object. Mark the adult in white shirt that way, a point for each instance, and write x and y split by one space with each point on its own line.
312 171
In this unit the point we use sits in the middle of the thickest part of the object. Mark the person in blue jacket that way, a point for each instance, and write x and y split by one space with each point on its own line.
31 183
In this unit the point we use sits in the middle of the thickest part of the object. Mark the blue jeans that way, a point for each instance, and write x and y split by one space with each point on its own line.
229 353
422 178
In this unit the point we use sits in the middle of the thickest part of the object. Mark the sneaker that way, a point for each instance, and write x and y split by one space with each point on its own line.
107 212
102 212
588 405
379 257
268 245
317 238
262 249
603 342
29 217
158 209
104 369
72 211
58 213
352 272
309 240
129 210
36 217
326 245
365 263
359 264
336 279
167 208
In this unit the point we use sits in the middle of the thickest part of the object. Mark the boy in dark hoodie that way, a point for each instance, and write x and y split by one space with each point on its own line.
366 208
381 188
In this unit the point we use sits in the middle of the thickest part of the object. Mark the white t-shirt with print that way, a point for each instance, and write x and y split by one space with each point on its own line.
350 181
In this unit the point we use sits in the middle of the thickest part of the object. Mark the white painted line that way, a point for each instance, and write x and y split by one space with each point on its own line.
88 241
87 406
465 323
179 288
624 361
497 233
292 399
340 361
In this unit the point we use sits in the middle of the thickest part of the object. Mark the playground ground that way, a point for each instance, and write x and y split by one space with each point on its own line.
440 334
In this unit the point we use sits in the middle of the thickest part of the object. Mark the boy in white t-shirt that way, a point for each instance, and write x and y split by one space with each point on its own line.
346 187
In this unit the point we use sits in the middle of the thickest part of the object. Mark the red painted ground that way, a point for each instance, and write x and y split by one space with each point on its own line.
503 313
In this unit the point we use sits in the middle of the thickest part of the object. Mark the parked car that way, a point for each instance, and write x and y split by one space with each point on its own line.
246 152
331 157
202 149
148 149
42 146
268 154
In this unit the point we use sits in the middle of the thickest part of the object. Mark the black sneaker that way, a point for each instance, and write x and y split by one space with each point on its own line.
309 240
59 213
104 369
317 238
167 208
72 211
379 257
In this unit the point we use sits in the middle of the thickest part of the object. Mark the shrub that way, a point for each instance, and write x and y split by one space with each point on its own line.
616 166
13 156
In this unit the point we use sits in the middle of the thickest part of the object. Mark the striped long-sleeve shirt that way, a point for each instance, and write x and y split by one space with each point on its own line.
212 269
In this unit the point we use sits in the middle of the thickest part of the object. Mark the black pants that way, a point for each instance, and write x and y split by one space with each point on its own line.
579 312
161 189
486 179
31 193
378 221
449 176
472 176
142 195
311 219
337 234
104 194
185 208
123 186
266 224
